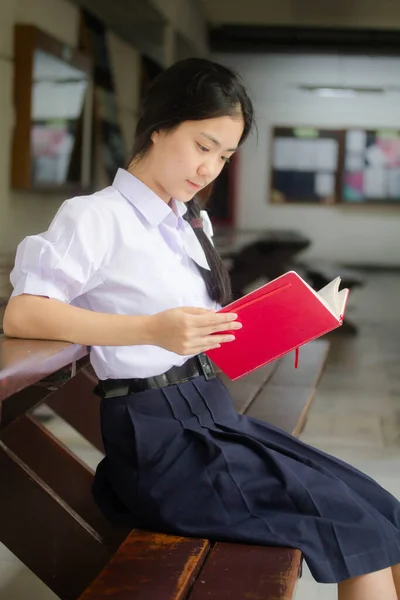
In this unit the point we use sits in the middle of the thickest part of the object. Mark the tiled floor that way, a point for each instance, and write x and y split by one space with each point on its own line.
356 411
355 416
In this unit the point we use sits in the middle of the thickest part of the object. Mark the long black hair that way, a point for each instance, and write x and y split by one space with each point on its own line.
191 90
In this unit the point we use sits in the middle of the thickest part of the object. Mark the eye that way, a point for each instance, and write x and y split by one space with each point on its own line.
226 159
203 148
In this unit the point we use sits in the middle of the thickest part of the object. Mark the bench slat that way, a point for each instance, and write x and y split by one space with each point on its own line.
285 401
236 571
283 406
312 359
150 566
244 390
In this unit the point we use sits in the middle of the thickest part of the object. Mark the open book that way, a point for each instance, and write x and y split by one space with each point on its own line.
277 318
333 299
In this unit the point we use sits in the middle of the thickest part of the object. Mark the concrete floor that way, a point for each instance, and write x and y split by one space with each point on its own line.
355 416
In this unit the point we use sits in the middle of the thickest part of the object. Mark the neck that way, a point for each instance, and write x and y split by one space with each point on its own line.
143 172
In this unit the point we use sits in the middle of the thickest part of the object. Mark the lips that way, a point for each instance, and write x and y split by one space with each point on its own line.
194 185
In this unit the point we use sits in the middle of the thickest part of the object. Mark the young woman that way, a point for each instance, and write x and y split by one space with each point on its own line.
131 272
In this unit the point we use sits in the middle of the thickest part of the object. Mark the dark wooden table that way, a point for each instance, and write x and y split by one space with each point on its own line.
251 254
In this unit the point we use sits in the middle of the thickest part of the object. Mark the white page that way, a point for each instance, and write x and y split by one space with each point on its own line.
324 184
356 140
326 155
335 299
329 293
376 156
375 182
330 298
307 153
355 162
284 154
342 297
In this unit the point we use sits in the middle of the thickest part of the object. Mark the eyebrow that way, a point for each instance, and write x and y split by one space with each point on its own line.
216 142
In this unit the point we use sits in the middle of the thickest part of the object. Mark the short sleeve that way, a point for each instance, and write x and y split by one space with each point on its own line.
65 261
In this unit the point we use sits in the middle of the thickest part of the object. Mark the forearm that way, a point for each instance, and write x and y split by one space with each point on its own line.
35 317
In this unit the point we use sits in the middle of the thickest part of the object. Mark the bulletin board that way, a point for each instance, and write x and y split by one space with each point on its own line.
306 164
327 166
371 171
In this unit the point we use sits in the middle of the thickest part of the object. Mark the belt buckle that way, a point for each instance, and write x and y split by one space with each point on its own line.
205 367
113 391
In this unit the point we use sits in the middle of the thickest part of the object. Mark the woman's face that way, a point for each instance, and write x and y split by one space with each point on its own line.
184 161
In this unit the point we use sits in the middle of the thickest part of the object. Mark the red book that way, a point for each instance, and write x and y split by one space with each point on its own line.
277 318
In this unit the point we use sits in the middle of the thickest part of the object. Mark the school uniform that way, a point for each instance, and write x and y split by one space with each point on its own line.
179 458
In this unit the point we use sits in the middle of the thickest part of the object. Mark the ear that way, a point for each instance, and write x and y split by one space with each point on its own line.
154 136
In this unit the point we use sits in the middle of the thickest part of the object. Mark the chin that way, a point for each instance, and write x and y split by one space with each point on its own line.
184 196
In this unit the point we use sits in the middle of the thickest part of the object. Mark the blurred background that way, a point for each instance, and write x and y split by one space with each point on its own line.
316 188
322 172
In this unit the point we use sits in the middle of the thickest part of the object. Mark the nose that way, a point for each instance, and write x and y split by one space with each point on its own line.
209 169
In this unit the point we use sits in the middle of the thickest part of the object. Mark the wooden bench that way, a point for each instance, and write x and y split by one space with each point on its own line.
50 521
158 567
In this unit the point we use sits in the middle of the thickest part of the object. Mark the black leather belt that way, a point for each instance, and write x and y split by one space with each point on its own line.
197 366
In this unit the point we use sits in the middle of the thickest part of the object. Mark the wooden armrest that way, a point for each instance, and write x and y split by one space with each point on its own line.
25 362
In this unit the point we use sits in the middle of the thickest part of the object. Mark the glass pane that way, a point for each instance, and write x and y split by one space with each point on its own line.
58 96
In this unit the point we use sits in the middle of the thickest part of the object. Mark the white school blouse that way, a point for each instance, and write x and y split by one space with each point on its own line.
124 251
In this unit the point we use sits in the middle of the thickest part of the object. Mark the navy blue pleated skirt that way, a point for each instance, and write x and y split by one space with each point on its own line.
181 460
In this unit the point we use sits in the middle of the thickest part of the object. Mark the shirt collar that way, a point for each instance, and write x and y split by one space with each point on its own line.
151 206
155 210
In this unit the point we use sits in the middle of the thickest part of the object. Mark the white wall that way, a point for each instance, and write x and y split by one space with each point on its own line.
353 234
125 65
25 213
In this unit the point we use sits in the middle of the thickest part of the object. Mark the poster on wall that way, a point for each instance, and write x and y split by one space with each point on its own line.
371 166
305 165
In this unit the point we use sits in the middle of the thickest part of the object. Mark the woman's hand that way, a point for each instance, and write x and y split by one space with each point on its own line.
189 330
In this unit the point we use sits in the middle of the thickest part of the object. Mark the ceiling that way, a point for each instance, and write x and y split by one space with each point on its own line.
308 13
357 26
135 21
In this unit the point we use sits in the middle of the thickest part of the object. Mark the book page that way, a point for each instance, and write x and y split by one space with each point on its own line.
330 296
334 299
342 298
330 293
